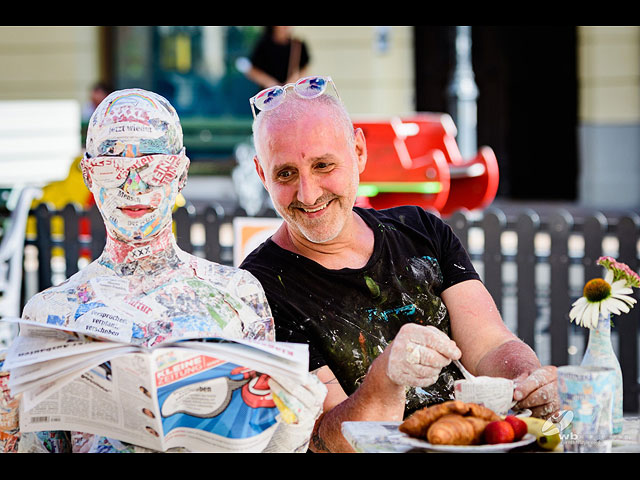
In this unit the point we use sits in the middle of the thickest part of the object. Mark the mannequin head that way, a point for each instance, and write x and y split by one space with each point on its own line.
135 163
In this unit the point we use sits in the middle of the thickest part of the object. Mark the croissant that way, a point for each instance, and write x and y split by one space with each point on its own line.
454 429
417 425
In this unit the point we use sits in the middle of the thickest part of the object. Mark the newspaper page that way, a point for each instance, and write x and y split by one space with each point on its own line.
198 395
9 426
169 398
40 354
43 360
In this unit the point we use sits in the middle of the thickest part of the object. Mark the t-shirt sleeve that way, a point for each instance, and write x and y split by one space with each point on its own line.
454 260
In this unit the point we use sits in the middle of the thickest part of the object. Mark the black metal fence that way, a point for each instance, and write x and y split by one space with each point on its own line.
534 265
541 265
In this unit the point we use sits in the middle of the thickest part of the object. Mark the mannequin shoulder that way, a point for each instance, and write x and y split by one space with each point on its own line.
226 277
60 301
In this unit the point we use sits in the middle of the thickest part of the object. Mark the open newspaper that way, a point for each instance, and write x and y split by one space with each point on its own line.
203 394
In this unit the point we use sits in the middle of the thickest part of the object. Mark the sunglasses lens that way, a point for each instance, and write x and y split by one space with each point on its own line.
269 99
107 171
154 170
162 171
311 87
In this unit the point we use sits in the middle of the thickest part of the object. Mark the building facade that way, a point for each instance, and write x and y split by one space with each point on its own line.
378 73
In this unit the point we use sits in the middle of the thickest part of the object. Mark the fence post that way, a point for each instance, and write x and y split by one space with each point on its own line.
627 324
459 223
527 225
98 232
70 214
560 224
183 218
43 228
212 216
493 223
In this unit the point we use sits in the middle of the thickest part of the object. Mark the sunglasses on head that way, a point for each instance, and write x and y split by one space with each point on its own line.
307 87
154 170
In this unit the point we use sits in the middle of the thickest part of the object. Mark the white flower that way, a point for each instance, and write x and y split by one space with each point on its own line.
601 297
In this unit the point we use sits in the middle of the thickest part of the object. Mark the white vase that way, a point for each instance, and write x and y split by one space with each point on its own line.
600 353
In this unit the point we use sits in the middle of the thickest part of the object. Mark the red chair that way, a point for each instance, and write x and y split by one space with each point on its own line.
396 176
416 160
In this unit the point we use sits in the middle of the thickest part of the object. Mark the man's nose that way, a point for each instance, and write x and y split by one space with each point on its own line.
134 184
308 189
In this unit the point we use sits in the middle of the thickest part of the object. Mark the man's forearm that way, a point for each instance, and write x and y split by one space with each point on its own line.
377 399
509 360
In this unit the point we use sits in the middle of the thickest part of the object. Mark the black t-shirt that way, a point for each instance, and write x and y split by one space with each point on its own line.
348 316
273 58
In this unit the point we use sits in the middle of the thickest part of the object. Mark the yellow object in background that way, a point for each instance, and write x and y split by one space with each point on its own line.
58 194
70 190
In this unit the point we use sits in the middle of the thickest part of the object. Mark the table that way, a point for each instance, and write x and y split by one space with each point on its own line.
378 437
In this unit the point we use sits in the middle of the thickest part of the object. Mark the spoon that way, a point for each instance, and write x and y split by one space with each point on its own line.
463 370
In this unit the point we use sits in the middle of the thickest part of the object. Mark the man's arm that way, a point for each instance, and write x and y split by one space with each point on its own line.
478 330
377 398
262 78
415 357
490 348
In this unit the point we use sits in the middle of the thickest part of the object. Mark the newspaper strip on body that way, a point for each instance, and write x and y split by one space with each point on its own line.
208 395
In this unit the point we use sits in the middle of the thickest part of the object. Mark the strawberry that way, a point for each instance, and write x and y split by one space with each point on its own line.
499 431
519 427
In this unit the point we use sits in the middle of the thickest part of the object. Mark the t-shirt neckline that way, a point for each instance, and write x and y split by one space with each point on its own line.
371 222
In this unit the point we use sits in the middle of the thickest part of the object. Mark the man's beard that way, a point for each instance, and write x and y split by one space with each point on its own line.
308 228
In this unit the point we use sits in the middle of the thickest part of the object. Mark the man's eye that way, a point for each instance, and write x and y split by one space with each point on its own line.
284 174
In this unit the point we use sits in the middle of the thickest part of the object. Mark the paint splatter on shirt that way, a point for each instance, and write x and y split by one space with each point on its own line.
348 316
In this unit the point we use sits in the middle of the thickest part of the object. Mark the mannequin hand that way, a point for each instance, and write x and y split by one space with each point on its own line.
298 402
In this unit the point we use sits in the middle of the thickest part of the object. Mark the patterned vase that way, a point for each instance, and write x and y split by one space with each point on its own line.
600 353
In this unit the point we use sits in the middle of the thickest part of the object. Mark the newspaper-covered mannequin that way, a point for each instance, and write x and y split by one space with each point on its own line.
135 165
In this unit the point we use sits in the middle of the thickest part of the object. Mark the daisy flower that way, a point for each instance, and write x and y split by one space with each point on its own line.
605 296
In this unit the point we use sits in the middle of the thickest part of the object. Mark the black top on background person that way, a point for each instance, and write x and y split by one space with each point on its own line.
278 58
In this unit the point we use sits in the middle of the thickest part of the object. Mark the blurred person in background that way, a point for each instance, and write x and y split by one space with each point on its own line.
98 93
278 58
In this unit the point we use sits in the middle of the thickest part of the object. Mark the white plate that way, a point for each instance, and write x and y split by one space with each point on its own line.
499 447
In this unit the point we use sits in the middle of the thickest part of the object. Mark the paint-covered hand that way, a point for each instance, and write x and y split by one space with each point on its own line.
417 355
538 391
300 405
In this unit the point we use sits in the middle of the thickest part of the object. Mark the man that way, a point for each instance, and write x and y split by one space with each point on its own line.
135 165
385 299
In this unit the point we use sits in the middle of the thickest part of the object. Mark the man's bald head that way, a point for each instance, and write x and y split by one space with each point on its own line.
294 110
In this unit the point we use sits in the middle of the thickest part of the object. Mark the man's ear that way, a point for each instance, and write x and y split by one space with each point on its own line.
360 149
259 170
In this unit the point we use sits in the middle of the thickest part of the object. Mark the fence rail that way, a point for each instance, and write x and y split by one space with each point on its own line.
534 266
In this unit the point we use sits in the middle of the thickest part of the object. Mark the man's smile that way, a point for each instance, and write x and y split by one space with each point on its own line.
313 211
317 209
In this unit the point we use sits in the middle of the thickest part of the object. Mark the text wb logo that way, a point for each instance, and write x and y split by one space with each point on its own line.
557 423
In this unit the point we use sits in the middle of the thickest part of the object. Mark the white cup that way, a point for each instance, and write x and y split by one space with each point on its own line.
495 393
